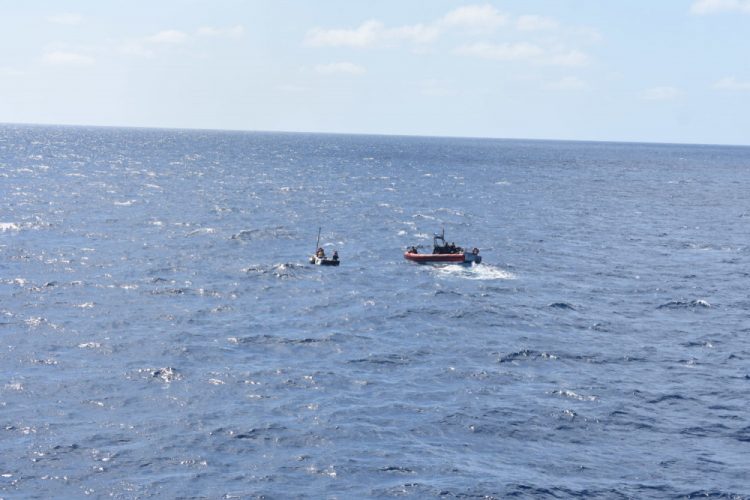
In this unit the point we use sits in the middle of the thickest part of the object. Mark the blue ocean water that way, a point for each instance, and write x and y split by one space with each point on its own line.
161 334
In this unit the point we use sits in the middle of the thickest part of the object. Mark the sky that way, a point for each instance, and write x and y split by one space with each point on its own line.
673 71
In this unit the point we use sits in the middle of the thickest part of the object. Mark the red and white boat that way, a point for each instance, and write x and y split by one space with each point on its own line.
443 252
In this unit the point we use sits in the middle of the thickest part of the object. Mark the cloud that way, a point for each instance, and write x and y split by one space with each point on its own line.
731 83
340 68
65 58
523 51
702 7
147 46
661 94
570 58
567 83
536 23
67 18
227 32
370 34
167 37
467 22
474 18
373 33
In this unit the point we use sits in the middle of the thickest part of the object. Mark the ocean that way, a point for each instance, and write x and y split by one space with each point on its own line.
162 334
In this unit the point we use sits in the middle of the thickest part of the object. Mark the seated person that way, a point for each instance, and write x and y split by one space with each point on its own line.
320 253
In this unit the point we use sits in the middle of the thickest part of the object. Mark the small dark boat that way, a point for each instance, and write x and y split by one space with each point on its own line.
322 261
319 257
443 253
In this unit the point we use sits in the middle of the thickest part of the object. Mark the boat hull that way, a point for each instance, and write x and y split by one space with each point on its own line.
448 258
323 262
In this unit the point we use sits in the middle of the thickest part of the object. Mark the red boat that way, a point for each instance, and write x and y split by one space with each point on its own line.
443 252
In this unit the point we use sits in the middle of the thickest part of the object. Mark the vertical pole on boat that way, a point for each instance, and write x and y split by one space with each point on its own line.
317 245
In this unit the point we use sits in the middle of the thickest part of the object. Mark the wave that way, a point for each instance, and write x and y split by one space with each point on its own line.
562 305
475 272
525 354
278 232
685 304
203 230
572 395
284 270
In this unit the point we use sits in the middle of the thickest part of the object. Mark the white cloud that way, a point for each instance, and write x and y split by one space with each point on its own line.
502 51
67 18
370 34
227 32
475 18
731 83
567 83
167 37
345 68
147 46
714 6
367 34
570 58
661 94
467 21
536 23
523 51
373 33
65 58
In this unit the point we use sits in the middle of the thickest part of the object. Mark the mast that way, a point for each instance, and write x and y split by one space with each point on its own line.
317 244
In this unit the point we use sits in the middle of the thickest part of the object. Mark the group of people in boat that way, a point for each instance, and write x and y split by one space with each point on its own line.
444 249
447 248
321 254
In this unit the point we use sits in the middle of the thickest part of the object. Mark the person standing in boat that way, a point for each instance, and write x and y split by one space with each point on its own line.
335 255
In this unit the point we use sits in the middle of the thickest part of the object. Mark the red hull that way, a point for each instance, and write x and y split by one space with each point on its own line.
435 257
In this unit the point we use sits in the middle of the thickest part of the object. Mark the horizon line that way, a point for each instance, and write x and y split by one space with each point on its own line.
380 134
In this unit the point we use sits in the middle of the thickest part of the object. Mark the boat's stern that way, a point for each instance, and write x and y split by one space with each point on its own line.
472 257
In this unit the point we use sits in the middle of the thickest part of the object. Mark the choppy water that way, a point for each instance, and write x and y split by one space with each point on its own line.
162 335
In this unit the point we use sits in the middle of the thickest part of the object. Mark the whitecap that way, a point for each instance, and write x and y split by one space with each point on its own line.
35 321
167 374
89 345
570 394
423 216
126 203
475 272
203 230
8 226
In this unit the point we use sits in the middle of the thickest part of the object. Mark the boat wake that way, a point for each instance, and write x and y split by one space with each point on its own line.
474 272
